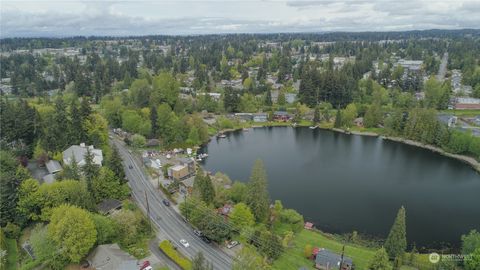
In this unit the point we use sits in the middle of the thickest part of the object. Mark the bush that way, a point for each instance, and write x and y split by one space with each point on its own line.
12 231
167 248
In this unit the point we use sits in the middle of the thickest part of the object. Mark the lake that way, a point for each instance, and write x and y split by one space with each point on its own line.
345 182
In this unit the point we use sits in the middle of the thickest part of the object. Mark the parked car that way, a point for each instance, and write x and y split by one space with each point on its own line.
184 243
206 240
197 233
166 202
130 166
232 244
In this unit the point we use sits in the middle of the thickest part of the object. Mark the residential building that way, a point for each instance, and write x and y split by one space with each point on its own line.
78 152
108 206
260 117
111 257
327 260
281 116
190 164
178 172
466 103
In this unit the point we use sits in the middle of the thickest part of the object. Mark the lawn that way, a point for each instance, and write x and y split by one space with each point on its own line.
293 257
464 113
12 254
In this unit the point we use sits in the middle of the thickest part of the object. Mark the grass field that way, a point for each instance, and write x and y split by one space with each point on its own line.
12 254
293 257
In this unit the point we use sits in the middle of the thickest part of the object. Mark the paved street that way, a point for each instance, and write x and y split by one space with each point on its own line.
442 70
169 223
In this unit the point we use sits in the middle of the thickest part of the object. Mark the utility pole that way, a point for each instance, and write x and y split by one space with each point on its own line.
341 260
148 210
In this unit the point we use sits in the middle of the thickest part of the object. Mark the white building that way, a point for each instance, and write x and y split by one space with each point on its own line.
78 152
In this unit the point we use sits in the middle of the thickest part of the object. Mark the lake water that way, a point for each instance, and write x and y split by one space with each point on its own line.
346 182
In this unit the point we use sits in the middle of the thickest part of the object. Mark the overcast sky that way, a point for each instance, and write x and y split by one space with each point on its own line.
76 17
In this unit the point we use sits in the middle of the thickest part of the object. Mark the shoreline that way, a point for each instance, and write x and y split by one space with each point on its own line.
472 162
465 159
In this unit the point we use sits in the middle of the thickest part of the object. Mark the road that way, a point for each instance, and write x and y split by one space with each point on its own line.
169 223
442 70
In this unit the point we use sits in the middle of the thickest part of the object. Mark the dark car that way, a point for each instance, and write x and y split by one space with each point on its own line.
206 240
130 166
166 202
197 233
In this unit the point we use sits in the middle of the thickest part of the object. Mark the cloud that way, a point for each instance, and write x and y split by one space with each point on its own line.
74 17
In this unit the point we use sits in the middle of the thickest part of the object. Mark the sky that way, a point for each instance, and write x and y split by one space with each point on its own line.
61 18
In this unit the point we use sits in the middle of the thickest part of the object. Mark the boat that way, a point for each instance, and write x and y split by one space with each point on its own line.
294 125
246 129
221 135
199 159
313 127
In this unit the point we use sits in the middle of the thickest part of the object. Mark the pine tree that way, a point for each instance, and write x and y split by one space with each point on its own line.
316 115
200 263
338 119
115 164
85 109
397 239
77 134
268 98
380 261
90 170
71 171
153 121
257 196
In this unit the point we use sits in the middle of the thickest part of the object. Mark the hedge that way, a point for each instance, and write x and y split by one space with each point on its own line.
167 248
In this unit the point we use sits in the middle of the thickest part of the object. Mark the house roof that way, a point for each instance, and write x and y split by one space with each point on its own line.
111 257
78 152
326 257
53 166
108 205
177 167
189 182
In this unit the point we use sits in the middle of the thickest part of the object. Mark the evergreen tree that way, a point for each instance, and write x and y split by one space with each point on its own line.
203 187
268 98
396 242
316 115
71 171
77 134
338 119
85 109
380 261
115 164
257 196
90 170
153 122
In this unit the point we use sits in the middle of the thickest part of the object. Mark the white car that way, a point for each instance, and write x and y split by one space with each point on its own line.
184 243
232 244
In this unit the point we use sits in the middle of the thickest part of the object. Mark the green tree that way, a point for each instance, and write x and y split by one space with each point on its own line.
203 187
257 195
90 170
241 216
248 259
270 245
307 251
348 115
338 119
396 242
470 242
281 98
45 249
473 263
268 98
373 115
316 115
200 263
114 162
380 261
106 229
165 89
73 232
138 141
106 185
11 177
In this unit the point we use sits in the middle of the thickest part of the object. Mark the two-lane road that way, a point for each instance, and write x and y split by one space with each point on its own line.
166 219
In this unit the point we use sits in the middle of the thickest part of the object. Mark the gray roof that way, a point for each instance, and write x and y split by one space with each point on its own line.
49 178
325 257
108 205
78 152
53 166
111 257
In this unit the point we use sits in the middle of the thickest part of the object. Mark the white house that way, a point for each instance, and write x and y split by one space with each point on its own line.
78 152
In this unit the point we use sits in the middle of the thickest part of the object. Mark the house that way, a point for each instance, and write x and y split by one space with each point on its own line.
189 163
178 172
281 116
78 152
111 257
152 143
358 121
244 116
260 117
327 260
308 225
225 210
465 103
188 184
108 206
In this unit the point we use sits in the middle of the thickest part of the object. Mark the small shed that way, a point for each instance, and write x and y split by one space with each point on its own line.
308 225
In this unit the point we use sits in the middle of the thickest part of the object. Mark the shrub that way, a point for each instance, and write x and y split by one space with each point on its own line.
12 231
167 248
